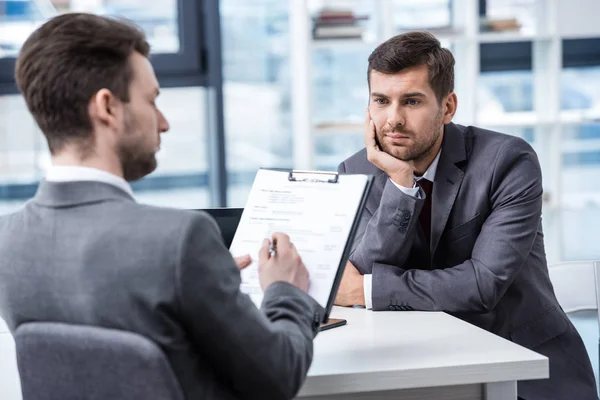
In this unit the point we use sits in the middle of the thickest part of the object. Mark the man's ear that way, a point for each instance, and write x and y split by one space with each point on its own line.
104 109
450 105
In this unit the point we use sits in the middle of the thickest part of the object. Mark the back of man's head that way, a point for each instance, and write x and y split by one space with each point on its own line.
65 62
413 49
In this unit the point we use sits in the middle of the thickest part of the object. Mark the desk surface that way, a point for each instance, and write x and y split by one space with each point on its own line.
400 350
379 351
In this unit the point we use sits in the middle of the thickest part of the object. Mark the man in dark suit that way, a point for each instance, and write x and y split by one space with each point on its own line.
453 221
82 251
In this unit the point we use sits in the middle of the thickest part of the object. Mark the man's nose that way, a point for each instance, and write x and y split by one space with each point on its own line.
163 124
395 118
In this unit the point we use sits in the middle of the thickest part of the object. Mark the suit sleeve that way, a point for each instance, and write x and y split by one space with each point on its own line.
261 353
500 250
397 216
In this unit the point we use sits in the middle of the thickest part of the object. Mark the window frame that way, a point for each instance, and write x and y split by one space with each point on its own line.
196 64
187 67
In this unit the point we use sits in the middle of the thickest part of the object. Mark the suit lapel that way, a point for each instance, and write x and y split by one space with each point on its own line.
448 179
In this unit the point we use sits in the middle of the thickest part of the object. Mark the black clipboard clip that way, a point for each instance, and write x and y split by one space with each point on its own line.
313 176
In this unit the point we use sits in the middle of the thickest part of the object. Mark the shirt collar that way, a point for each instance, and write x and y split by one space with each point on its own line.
71 173
430 173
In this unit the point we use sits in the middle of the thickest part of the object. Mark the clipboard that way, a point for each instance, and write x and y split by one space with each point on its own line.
312 180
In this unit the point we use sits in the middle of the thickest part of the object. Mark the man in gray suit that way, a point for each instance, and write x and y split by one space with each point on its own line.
82 251
453 221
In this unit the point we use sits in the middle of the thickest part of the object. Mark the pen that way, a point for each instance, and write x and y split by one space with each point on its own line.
273 247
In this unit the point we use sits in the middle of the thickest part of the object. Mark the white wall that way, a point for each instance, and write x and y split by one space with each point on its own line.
10 388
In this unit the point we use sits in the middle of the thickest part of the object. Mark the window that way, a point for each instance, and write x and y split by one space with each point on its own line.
505 92
580 211
188 172
171 26
256 90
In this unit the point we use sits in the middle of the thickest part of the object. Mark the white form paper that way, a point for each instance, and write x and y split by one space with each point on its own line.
316 215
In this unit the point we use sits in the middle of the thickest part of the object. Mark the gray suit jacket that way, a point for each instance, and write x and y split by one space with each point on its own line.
87 253
485 263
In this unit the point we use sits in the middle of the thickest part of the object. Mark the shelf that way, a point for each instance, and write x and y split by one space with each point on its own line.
339 127
514 119
531 119
491 37
341 42
576 117
508 120
512 36
443 34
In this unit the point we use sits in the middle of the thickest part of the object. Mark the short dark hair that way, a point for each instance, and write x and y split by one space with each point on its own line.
413 49
69 59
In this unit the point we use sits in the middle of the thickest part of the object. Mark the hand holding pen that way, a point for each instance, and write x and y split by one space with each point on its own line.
279 261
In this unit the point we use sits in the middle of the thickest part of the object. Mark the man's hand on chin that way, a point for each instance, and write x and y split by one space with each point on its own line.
351 290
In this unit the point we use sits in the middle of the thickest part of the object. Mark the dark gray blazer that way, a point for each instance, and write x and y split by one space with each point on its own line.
87 253
485 263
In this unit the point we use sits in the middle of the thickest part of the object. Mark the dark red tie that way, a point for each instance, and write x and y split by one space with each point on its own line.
425 217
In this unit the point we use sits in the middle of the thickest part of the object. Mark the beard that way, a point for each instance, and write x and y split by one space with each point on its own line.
136 160
422 143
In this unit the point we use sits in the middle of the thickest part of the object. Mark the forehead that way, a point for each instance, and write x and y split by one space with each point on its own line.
413 79
143 73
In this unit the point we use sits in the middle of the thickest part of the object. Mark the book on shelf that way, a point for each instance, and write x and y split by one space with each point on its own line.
331 23
499 24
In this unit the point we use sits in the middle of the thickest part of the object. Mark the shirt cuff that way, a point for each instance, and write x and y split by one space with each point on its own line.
368 289
409 191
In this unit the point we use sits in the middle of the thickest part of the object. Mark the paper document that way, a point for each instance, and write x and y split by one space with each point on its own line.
317 215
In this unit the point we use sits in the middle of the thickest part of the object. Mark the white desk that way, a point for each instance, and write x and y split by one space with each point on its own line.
416 355
390 355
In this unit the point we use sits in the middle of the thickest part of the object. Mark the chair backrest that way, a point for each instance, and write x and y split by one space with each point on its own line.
61 361
575 285
228 220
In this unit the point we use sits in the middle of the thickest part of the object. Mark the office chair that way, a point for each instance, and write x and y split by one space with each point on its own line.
577 288
68 362
227 219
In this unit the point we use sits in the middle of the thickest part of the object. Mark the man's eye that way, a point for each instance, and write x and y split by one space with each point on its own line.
380 101
413 102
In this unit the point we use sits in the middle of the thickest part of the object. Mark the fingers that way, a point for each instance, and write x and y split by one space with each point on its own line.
293 248
282 242
294 253
369 135
243 261
263 253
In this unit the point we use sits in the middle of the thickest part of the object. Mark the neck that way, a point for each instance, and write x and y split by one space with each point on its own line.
108 164
421 165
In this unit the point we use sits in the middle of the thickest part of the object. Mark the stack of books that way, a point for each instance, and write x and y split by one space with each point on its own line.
499 24
338 24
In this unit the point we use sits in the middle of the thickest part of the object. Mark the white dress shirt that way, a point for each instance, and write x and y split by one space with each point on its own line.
413 191
71 173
